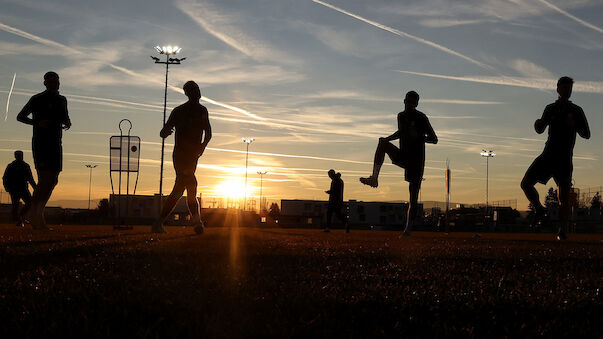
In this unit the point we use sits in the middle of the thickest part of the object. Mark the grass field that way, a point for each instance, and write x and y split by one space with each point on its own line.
241 282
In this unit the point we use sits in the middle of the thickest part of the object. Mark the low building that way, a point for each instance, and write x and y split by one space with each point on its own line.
361 214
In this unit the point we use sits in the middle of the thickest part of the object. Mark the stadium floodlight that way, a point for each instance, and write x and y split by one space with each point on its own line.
247 142
487 154
167 51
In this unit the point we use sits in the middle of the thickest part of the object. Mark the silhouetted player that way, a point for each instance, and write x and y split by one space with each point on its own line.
49 117
564 119
16 179
414 130
336 201
191 121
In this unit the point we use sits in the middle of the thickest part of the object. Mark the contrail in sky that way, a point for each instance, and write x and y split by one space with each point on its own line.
407 35
10 92
542 84
72 50
571 16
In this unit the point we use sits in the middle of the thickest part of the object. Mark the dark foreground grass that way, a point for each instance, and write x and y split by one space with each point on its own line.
239 282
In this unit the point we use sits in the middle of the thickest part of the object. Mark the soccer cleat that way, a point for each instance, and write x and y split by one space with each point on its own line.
370 181
561 236
20 224
405 234
199 227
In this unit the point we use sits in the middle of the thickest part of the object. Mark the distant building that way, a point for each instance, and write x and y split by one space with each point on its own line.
361 214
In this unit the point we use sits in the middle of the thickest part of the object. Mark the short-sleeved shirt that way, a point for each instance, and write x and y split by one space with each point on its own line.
52 108
564 119
336 191
413 126
188 121
17 176
47 140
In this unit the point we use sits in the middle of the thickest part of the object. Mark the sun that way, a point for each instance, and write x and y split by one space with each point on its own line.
233 188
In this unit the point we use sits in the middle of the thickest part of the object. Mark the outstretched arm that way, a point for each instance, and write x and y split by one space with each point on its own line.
23 116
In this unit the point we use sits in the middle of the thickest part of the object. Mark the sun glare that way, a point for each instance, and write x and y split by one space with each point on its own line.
231 188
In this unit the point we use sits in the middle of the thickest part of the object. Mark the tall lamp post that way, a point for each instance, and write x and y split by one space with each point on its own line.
167 51
487 154
247 141
90 166
261 173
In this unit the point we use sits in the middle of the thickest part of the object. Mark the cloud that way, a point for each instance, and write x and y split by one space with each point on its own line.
444 23
529 69
571 16
407 35
10 93
541 84
224 27
53 44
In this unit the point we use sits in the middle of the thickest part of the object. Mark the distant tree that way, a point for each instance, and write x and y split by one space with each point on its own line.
274 211
595 202
551 200
104 209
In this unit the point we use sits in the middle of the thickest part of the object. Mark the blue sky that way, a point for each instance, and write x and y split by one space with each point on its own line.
317 79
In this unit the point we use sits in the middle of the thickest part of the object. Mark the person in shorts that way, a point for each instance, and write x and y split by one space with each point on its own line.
414 130
564 120
49 117
193 132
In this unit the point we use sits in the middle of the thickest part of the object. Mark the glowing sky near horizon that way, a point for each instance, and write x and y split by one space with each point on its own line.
314 82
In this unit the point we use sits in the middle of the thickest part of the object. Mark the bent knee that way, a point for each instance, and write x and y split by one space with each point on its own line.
527 183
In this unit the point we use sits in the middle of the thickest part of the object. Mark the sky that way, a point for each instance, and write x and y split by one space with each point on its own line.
316 83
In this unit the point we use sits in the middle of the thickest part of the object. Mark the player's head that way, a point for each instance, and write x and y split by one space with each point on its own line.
564 87
51 81
332 173
19 155
411 100
191 90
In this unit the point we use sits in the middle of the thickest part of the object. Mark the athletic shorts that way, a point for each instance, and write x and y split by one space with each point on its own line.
47 156
413 166
547 166
185 162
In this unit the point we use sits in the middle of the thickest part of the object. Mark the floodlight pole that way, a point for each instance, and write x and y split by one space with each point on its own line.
261 173
247 141
90 166
167 51
487 154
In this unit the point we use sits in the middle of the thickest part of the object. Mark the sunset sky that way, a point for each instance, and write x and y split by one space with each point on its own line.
314 82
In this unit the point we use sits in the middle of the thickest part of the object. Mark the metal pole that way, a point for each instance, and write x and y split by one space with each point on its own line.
261 184
487 170
167 65
246 160
89 186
